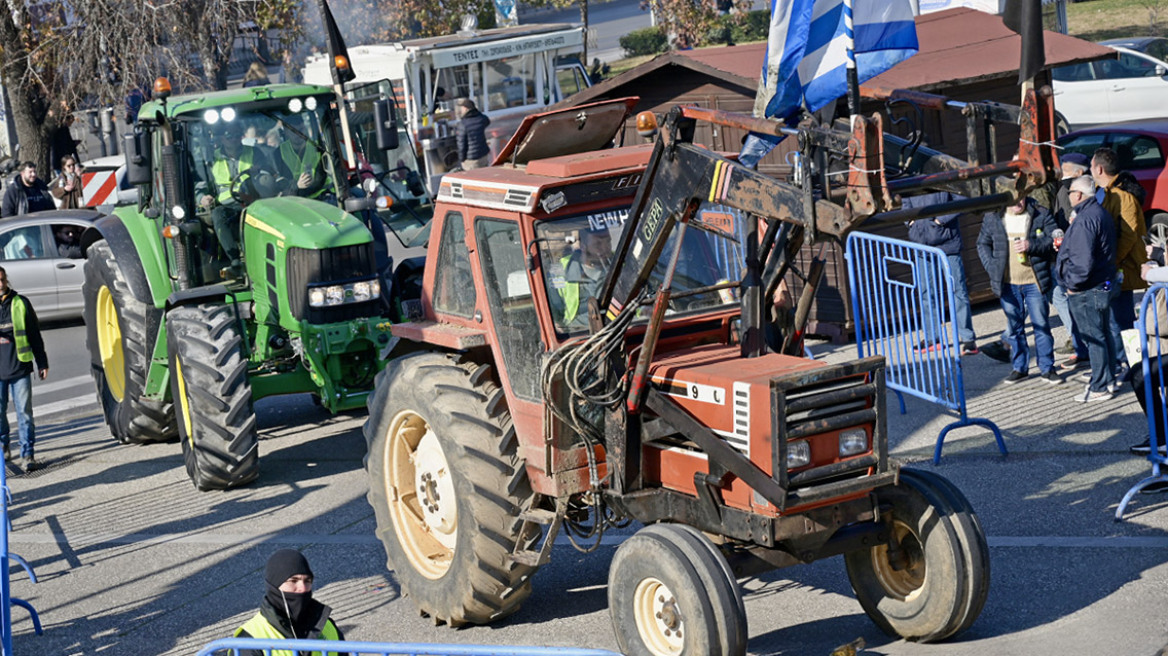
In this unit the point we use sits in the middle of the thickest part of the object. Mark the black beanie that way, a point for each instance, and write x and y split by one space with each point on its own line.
283 565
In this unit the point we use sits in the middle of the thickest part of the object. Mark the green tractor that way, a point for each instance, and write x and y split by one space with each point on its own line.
243 272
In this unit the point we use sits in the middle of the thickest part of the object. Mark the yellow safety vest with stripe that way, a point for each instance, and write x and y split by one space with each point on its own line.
570 293
19 313
298 165
221 171
259 627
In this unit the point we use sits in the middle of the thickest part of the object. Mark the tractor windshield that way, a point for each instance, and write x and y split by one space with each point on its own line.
577 252
263 150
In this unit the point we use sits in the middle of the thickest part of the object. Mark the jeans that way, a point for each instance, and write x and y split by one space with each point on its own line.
1059 300
961 310
225 219
1123 317
1092 312
1017 302
21 389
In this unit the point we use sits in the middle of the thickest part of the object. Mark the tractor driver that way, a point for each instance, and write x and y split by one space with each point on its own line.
232 168
584 271
301 166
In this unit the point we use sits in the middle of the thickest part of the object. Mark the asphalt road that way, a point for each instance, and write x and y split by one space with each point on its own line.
132 560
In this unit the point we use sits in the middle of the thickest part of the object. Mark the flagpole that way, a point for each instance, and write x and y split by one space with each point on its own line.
853 74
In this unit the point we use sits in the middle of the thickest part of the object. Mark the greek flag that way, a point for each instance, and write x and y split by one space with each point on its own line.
807 52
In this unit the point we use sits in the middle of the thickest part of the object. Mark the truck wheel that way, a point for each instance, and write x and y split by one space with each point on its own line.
922 592
116 336
670 593
969 533
447 485
208 380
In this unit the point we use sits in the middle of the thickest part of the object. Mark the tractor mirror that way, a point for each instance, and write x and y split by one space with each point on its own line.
137 158
385 118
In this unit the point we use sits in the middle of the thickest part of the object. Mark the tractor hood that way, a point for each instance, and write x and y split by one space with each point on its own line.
304 223
567 131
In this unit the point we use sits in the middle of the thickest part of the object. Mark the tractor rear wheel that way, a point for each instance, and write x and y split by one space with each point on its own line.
447 485
117 335
212 393
924 589
670 593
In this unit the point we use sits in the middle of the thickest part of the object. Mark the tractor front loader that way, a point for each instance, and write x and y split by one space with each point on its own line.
597 348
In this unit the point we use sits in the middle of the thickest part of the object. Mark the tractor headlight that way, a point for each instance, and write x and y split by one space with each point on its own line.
354 292
852 441
798 454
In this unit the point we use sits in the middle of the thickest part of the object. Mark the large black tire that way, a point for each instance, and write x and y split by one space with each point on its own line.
447 486
927 595
670 594
212 393
969 532
119 338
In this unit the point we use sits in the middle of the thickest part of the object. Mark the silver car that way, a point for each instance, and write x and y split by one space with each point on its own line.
39 267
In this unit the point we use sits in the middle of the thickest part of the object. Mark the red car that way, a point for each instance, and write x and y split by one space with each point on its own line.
1142 147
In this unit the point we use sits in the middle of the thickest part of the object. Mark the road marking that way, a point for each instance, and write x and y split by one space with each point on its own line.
45 388
215 539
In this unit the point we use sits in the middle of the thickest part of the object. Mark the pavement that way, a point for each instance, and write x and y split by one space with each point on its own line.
130 559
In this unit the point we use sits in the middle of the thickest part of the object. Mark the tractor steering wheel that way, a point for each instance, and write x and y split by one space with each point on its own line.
253 184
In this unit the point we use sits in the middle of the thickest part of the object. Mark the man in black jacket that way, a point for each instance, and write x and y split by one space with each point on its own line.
27 193
472 136
1016 248
943 232
1086 265
20 345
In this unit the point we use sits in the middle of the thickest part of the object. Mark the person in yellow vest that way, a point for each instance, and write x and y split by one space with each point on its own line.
584 271
300 164
288 611
20 346
233 167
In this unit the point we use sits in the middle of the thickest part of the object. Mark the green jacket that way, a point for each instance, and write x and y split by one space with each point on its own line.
222 174
261 626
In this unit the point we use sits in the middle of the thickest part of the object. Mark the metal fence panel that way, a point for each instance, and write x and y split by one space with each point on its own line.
233 646
1153 330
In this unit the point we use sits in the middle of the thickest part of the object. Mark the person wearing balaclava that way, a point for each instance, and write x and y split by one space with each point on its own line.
288 610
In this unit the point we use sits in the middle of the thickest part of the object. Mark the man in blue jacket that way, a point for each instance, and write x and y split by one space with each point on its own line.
943 232
1086 265
471 135
1017 250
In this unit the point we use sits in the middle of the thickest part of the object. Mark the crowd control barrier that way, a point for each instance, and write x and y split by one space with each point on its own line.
6 598
233 646
1152 323
902 293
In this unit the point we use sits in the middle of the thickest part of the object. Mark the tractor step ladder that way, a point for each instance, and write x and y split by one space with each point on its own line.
539 516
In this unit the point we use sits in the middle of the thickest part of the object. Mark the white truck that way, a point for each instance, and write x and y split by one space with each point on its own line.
509 72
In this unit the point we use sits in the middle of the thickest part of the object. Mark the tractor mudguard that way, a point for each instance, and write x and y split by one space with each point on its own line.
197 295
142 262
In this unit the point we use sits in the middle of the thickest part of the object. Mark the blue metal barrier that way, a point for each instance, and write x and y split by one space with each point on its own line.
1152 352
232 647
6 598
902 293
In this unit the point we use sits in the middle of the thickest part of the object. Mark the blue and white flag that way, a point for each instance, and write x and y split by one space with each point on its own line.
807 52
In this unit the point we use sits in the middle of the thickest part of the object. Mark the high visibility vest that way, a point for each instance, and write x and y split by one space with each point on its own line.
19 312
570 293
221 171
298 165
259 627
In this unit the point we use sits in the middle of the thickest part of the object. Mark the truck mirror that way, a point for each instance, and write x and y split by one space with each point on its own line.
137 157
386 120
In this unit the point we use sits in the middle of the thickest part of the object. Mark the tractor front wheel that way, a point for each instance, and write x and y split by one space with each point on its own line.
118 336
447 486
212 393
930 581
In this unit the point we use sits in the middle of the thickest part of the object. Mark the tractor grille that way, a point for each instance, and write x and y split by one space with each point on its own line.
330 265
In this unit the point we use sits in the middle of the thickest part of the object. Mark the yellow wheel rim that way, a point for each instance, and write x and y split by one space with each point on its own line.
658 618
420 491
109 344
183 404
906 582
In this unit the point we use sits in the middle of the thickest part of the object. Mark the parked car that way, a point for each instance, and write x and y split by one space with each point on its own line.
29 254
1134 86
1154 46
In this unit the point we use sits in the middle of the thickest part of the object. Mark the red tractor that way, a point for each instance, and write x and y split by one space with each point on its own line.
597 346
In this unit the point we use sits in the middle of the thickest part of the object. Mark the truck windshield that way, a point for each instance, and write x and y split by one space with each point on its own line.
284 148
576 253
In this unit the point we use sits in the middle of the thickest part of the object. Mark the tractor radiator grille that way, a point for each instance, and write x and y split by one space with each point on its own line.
329 265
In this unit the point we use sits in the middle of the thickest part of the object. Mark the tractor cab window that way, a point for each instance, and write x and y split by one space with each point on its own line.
501 255
454 290
576 254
